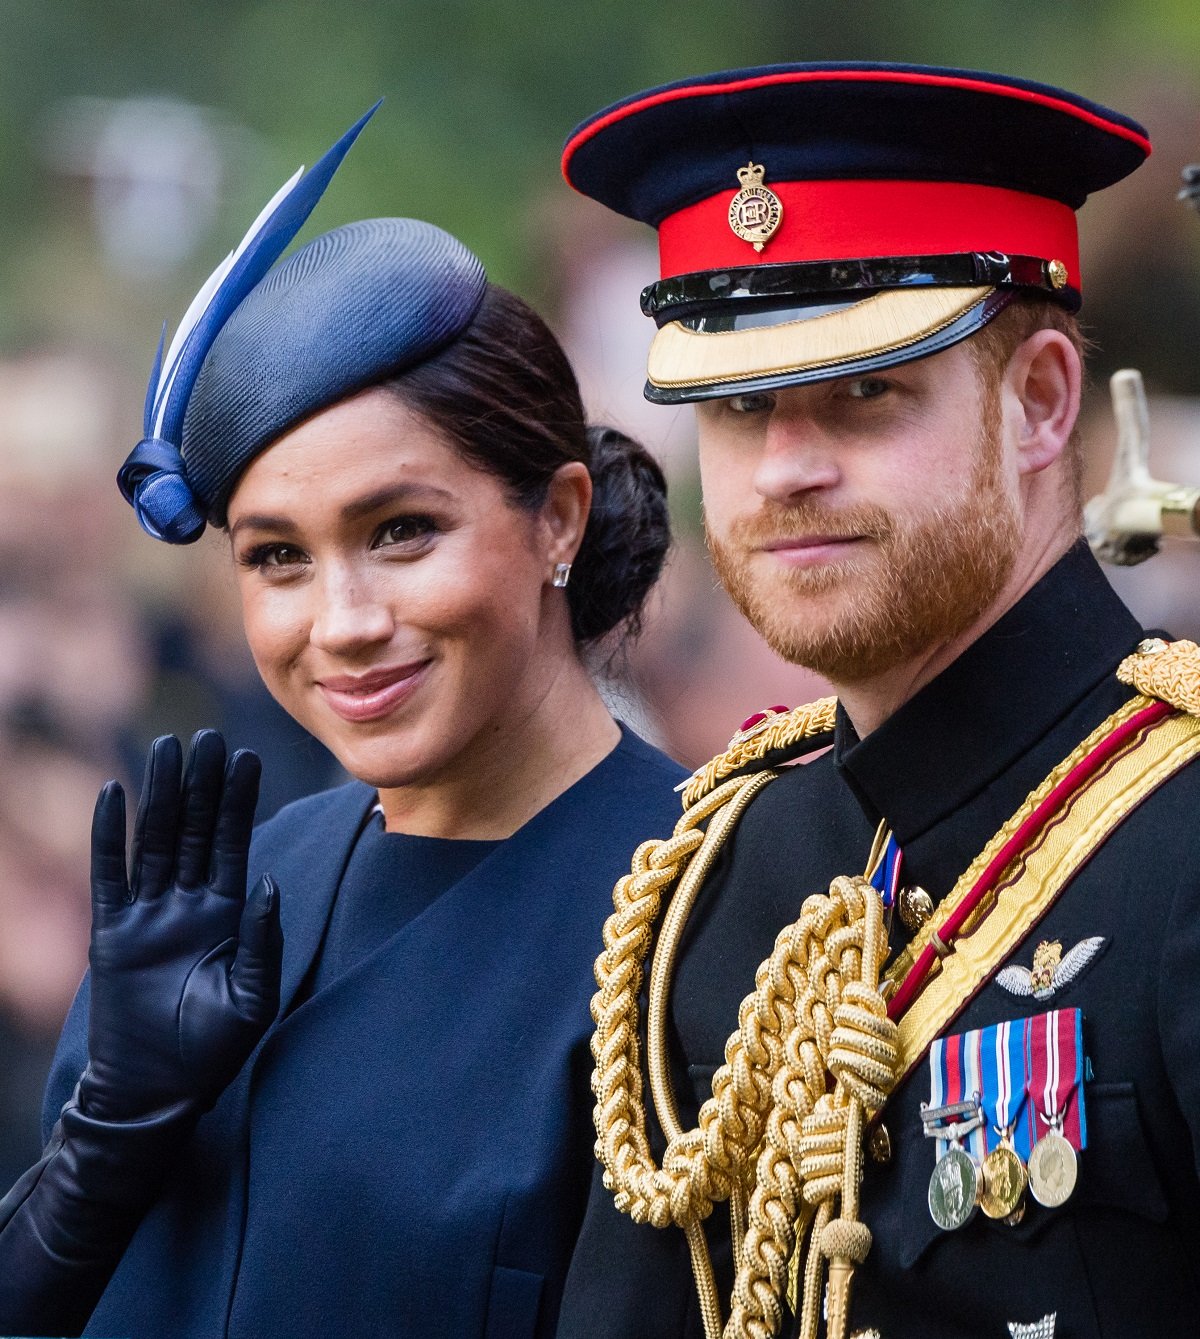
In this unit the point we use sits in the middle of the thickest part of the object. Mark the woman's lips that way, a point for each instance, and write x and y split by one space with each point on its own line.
367 697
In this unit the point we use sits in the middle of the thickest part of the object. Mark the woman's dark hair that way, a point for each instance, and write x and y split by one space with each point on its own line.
504 394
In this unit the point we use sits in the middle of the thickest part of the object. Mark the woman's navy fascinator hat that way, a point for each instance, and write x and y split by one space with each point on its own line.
261 349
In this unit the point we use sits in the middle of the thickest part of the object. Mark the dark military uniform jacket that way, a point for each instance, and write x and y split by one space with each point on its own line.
1122 1257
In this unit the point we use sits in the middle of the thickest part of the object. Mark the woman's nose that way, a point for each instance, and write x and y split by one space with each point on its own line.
349 615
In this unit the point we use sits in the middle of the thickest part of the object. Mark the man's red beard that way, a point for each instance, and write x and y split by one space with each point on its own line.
914 585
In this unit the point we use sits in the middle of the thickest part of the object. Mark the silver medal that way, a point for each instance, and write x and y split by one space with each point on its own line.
954 1189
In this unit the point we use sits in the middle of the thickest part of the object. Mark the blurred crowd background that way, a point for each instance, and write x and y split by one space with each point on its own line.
138 140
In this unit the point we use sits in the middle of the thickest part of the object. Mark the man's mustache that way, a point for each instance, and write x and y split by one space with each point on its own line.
805 520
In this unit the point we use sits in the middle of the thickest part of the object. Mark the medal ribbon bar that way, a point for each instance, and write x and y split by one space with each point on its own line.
955 1080
1003 1049
1055 1075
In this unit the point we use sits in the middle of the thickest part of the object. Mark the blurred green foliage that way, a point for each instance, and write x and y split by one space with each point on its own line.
479 98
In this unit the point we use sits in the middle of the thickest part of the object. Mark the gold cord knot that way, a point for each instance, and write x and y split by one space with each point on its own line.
846 1237
864 1054
823 1151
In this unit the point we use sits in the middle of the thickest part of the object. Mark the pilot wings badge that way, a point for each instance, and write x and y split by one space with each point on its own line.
1052 969
1040 1329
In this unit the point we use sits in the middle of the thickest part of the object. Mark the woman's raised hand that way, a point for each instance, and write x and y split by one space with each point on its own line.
184 964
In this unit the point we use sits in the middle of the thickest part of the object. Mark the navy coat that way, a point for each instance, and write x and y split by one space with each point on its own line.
408 1151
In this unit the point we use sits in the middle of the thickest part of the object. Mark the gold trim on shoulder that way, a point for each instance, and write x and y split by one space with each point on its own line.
777 730
1169 671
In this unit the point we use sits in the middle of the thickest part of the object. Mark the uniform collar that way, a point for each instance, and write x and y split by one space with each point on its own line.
994 703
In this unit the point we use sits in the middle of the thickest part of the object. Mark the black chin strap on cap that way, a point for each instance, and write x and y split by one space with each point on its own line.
154 483
677 297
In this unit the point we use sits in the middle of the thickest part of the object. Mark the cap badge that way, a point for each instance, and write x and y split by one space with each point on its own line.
755 212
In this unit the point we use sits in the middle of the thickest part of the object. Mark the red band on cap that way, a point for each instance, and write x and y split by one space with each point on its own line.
836 220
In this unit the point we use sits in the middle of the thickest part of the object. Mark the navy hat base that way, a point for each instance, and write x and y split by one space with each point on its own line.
658 151
351 308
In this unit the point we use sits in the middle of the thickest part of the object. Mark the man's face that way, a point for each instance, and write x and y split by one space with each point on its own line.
861 523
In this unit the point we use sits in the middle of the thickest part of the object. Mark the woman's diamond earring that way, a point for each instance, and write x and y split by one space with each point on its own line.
562 574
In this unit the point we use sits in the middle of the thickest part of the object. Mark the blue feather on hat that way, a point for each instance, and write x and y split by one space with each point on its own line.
153 479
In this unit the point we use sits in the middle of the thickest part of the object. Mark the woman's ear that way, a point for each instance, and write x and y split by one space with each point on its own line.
565 511
1043 383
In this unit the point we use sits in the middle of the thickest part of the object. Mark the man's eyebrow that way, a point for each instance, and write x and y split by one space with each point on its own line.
392 495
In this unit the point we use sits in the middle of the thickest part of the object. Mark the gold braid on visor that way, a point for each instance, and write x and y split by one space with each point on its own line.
888 322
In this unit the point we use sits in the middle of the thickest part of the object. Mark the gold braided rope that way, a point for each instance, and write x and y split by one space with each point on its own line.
813 1053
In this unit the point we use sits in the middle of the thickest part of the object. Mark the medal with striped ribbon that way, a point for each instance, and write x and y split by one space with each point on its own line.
1054 1083
953 1116
885 877
1002 1049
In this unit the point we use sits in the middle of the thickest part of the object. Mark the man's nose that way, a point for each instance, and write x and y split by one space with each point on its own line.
797 457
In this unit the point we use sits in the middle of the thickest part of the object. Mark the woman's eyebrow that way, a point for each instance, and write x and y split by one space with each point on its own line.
262 521
390 495
380 498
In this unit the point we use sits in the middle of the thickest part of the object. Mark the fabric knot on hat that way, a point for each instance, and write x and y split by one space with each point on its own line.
154 482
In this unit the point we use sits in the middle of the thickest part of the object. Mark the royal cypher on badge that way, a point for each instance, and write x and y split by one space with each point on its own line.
755 212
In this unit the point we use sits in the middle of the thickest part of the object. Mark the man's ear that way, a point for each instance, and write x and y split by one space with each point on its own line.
1043 383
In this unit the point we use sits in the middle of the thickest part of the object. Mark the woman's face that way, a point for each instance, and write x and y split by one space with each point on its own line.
396 602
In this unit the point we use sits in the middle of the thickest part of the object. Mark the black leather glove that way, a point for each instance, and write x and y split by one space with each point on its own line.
185 966
184 981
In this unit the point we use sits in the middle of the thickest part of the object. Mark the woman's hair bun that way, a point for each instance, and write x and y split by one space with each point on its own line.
626 539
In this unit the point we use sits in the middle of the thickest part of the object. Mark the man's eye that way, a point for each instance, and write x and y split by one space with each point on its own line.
755 402
867 388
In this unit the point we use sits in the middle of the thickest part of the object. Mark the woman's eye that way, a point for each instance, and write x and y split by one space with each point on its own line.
274 556
755 402
406 531
868 388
